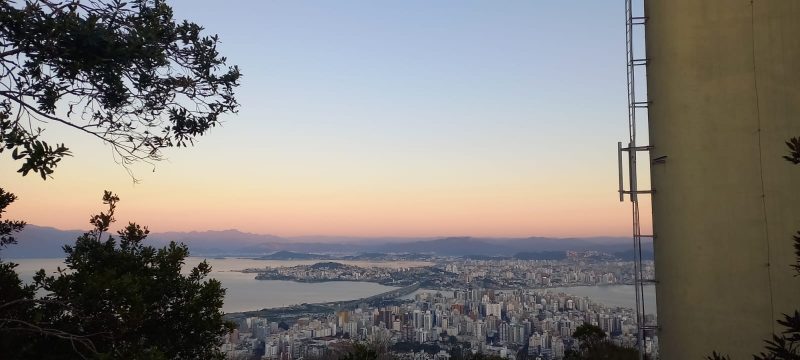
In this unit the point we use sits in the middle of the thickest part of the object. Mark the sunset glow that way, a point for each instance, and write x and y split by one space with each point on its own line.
357 120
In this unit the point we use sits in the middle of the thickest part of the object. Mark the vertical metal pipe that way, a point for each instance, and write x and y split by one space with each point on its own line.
632 174
619 167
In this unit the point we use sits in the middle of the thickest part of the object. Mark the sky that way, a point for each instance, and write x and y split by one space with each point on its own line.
381 118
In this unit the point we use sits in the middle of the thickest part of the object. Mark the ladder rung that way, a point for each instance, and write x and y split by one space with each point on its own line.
638 148
647 236
638 192
640 62
650 327
648 281
641 104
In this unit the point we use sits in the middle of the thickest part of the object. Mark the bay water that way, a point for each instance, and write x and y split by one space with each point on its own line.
245 293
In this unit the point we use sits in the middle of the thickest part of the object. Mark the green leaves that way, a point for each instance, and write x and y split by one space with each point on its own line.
132 300
8 227
717 356
787 344
102 221
796 266
794 150
128 74
594 345
37 155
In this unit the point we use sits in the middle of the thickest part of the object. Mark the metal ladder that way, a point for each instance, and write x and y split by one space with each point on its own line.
634 23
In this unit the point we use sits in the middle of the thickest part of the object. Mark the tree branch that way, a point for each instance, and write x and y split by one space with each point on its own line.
83 340
10 52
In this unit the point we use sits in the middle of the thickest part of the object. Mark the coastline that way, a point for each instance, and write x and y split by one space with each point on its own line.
332 306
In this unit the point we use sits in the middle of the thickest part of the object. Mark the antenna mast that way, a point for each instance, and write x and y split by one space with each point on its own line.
635 63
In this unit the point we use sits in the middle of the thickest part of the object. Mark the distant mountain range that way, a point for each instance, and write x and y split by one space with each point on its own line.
45 242
291 255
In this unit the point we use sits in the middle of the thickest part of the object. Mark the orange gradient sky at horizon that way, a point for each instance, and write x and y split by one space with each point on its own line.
307 201
408 120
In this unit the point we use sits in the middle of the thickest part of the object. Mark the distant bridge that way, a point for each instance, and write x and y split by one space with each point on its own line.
392 294
326 307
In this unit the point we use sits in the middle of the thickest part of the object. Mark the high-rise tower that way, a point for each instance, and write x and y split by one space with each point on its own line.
723 81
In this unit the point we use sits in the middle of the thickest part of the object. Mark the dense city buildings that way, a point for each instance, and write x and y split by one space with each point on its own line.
577 268
529 321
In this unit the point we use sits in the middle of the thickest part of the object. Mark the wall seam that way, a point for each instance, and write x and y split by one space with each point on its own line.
761 165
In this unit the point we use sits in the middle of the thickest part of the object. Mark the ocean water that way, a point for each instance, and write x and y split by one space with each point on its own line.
613 295
608 295
245 293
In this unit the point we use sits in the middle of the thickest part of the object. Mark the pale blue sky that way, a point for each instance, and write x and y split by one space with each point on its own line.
415 117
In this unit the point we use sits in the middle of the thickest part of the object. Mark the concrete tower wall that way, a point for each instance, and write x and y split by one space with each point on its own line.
724 81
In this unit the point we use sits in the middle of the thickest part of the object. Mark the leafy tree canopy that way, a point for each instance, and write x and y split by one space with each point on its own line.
15 296
360 352
116 299
8 227
124 72
595 346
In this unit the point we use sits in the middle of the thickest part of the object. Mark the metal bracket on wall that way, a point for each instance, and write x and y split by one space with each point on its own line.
659 160
634 190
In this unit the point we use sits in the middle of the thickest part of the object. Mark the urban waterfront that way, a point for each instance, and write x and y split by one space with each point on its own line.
245 293
437 325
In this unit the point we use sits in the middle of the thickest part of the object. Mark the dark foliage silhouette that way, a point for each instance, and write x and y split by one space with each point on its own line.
125 73
595 346
117 299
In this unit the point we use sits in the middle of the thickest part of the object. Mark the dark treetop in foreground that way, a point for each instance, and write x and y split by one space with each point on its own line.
595 346
124 72
117 299
131 76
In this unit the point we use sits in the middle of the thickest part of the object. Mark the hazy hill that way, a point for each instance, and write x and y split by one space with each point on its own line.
458 246
333 266
212 237
291 255
37 241
647 254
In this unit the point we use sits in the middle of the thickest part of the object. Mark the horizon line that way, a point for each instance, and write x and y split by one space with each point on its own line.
432 237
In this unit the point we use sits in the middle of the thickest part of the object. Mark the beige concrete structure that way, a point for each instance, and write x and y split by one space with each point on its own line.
724 81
